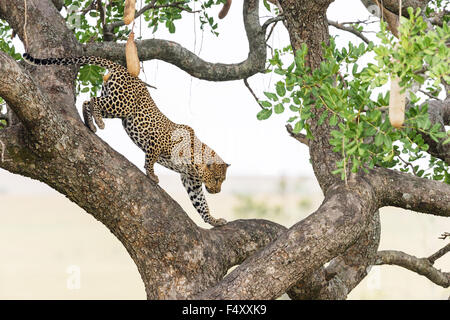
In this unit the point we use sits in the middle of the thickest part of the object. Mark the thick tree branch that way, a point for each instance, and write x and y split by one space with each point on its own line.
186 60
175 257
18 89
406 191
58 4
44 26
344 214
421 266
343 272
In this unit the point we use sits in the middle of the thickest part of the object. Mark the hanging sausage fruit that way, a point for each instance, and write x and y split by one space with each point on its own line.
128 12
132 56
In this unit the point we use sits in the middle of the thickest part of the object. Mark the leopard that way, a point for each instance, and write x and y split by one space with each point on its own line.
174 146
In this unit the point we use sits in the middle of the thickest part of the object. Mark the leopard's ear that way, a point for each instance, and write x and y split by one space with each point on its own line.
228 164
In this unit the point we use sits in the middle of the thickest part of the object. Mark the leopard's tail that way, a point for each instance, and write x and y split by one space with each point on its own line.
82 60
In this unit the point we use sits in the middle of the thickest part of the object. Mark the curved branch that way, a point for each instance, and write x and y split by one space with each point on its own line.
53 146
344 272
421 266
305 247
186 60
18 89
300 137
406 191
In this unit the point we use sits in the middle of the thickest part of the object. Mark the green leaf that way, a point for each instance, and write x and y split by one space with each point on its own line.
333 120
271 96
264 114
281 90
379 139
265 104
298 127
279 108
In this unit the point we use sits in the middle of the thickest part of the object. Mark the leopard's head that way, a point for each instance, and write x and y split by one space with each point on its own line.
213 175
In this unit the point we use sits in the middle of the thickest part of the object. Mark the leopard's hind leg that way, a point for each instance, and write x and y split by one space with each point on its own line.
151 155
195 191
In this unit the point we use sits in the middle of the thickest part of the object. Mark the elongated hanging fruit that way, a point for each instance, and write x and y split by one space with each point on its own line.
132 56
225 8
397 102
128 12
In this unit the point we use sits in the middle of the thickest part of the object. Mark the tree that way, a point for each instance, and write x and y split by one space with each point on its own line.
357 167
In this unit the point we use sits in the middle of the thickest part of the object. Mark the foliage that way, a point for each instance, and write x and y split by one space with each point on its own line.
87 24
344 94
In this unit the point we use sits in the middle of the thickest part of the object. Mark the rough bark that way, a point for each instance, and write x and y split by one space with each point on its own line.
422 266
176 258
186 60
52 145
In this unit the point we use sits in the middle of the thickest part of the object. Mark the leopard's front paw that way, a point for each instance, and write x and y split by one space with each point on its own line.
153 177
218 222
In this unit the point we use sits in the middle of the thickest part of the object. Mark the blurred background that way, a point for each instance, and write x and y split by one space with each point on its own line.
52 249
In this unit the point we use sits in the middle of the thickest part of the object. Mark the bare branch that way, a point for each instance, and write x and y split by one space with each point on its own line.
18 89
305 247
272 20
439 254
406 191
344 272
297 136
186 60
252 92
444 236
421 266
109 28
350 29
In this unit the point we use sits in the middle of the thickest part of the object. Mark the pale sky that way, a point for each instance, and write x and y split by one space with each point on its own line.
223 114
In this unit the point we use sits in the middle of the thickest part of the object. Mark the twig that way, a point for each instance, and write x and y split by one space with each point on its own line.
101 9
152 5
89 7
428 94
439 254
349 29
444 236
297 136
272 20
366 22
271 31
409 164
253 94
